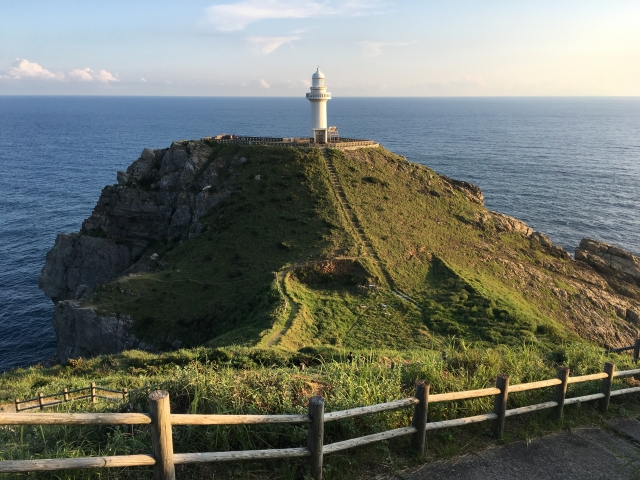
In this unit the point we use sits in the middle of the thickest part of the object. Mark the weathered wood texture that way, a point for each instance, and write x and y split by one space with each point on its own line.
187 419
626 373
206 457
74 418
620 349
419 420
500 405
560 391
376 437
624 391
461 421
587 378
530 408
161 435
606 385
358 411
50 464
522 387
315 436
584 398
446 397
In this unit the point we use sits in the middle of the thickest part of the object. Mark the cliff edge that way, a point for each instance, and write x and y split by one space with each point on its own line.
214 244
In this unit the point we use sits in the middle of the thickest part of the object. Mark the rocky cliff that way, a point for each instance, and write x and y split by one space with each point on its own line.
160 197
183 250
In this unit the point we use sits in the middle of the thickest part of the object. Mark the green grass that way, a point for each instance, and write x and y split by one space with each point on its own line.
274 282
269 381
220 286
249 278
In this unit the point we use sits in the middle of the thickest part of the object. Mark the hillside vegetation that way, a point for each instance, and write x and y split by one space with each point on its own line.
279 264
269 381
252 272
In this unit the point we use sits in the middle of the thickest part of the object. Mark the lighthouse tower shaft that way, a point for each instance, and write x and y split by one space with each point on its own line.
318 98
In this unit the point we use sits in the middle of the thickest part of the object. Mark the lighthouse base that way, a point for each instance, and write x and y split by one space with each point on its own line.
319 135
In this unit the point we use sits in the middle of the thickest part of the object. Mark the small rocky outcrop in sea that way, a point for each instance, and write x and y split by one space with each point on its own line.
161 196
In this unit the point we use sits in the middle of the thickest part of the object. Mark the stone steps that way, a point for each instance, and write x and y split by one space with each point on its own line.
355 223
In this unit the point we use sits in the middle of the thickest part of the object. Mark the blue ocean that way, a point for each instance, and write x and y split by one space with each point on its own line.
569 167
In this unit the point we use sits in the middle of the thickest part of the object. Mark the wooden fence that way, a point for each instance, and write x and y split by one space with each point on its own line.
39 401
161 421
635 347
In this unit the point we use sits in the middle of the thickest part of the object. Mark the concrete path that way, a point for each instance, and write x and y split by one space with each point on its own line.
581 454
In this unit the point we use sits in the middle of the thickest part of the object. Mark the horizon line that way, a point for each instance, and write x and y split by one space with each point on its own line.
303 98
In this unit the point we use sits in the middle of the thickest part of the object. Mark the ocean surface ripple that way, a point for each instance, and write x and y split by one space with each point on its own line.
569 167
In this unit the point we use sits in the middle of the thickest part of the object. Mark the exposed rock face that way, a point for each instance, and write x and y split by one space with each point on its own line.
80 332
505 223
78 262
607 258
161 196
471 191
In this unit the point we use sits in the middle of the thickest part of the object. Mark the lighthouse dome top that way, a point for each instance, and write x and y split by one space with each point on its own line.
318 74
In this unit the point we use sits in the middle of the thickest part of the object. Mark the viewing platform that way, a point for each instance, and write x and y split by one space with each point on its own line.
296 142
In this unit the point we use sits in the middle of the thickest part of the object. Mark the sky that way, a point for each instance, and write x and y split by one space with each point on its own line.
365 48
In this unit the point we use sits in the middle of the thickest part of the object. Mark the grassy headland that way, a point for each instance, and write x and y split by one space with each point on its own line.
279 278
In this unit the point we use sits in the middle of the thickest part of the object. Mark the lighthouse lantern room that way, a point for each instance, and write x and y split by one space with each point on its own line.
318 98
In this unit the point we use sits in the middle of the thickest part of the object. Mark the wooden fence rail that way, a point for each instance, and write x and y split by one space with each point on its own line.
635 347
66 397
161 420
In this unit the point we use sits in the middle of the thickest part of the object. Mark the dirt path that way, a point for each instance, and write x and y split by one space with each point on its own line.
293 304
275 337
367 246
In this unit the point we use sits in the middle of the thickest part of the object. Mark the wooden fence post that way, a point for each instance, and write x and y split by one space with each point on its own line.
161 435
17 405
125 392
500 405
607 383
315 438
65 391
92 388
420 416
560 391
40 402
636 350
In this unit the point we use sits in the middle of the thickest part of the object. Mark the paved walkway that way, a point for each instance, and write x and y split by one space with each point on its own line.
581 454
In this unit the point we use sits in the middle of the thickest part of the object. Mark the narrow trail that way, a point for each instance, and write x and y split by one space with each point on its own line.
281 276
368 248
273 339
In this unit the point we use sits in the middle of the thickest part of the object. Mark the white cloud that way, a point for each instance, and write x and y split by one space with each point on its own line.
26 69
88 75
81 74
230 17
268 45
264 84
143 80
374 49
21 69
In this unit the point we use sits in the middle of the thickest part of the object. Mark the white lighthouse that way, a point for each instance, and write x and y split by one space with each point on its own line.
318 98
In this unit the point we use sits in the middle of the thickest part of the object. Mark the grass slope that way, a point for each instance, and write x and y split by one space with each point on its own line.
268 381
279 262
